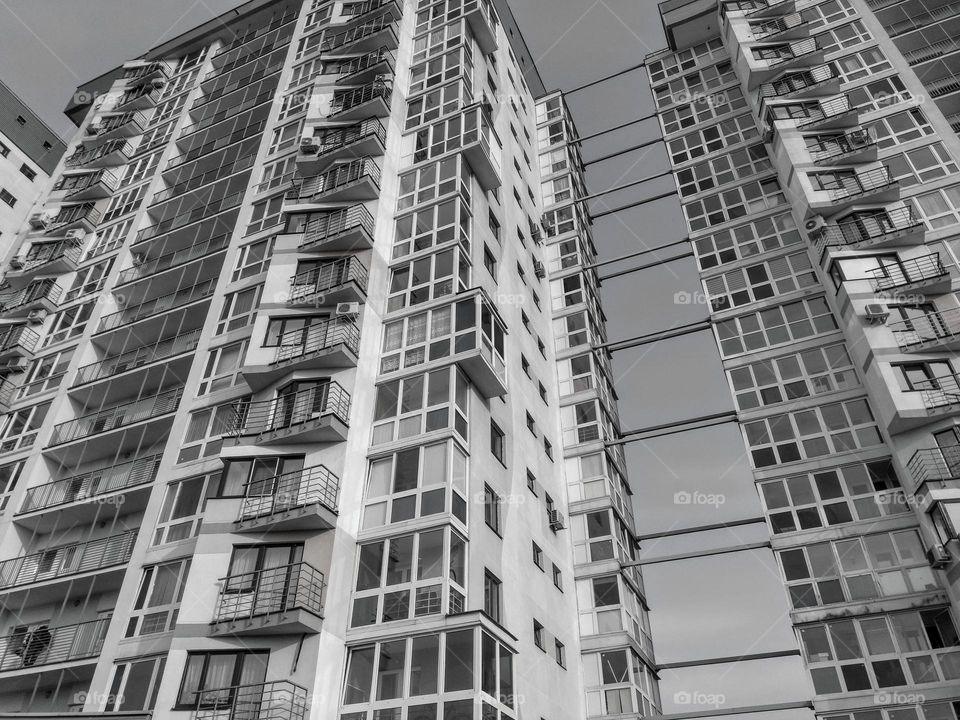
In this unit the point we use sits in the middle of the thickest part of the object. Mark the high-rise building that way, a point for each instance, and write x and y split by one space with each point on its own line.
302 413
817 169
29 153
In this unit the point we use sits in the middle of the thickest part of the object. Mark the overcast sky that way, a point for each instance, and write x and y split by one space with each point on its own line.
51 46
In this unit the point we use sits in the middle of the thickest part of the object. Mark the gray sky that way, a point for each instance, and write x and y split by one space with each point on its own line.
51 46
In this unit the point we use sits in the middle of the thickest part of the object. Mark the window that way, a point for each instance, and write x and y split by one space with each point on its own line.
538 556
135 685
253 259
239 309
531 424
494 226
421 404
210 678
491 509
762 281
498 443
492 595
560 653
293 331
21 120
205 430
18 429
69 323
9 474
431 226
428 278
557 578
775 326
538 634
4 150
7 197
432 181
525 366
548 448
158 599
743 241
740 200
489 262
89 280
543 392
28 173
183 507
531 482
223 367
266 214
125 202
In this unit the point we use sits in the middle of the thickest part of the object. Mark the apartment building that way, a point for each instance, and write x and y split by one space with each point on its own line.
29 153
302 418
816 166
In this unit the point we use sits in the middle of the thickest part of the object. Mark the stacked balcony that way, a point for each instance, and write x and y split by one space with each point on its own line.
479 144
855 187
38 295
346 229
279 700
938 330
112 127
337 143
69 217
787 27
316 414
111 153
278 600
97 185
859 145
139 72
300 500
17 343
143 96
370 100
802 83
331 282
925 274
66 646
935 468
182 298
367 67
367 37
872 229
48 258
345 182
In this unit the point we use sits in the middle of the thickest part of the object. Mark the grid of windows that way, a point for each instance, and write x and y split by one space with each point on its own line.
762 281
743 241
734 203
775 326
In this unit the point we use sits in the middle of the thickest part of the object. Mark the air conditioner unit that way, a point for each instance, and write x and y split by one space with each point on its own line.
16 264
308 145
875 314
36 317
938 556
537 234
556 520
539 270
348 309
41 220
815 225
75 235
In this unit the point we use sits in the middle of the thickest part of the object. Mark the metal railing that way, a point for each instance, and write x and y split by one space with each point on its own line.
336 177
930 327
333 139
939 391
109 178
908 272
44 253
21 336
290 490
934 465
369 60
241 40
853 184
160 350
824 110
319 336
327 276
279 700
289 409
794 82
73 213
114 122
195 214
775 26
158 305
830 146
326 226
82 156
357 33
172 259
344 100
44 645
272 590
864 227
194 182
38 290
67 560
117 417
798 49
91 484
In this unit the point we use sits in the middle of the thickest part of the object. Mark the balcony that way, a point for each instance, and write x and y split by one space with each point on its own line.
315 414
820 79
50 258
374 8
141 97
24 649
111 127
940 395
149 267
112 153
150 308
80 499
354 181
935 468
331 144
60 564
858 145
377 33
337 281
140 72
787 27
140 356
479 144
16 342
833 192
938 330
476 343
917 275
97 185
300 500
328 344
280 700
371 100
38 295
824 114
872 229
119 417
74 217
367 67
482 19
346 230
273 601
758 8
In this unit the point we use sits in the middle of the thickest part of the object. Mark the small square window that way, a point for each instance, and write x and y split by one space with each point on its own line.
498 442
538 556
4 150
47 146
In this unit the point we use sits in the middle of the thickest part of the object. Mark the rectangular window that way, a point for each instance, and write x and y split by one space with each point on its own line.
27 172
183 507
158 599
492 595
7 197
557 577
531 482
223 367
775 326
538 634
491 509
253 259
537 556
560 653
211 679
205 431
239 309
498 443
135 685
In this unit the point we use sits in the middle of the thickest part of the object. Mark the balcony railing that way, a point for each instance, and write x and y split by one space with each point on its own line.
326 277
939 392
320 336
158 305
41 254
288 491
169 260
280 700
869 227
289 409
345 100
67 560
909 272
34 292
795 82
832 146
823 110
331 140
328 226
365 62
211 207
86 213
73 184
271 590
934 465
853 184
91 484
117 417
355 34
44 645
194 182
136 120
796 51
776 26
14 337
115 364
82 157
932 327
336 177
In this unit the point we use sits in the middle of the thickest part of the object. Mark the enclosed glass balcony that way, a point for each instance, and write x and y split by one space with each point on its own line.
17 341
29 647
318 412
149 308
280 700
380 32
300 500
483 21
75 217
138 357
473 135
110 127
145 95
276 600
151 266
114 152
